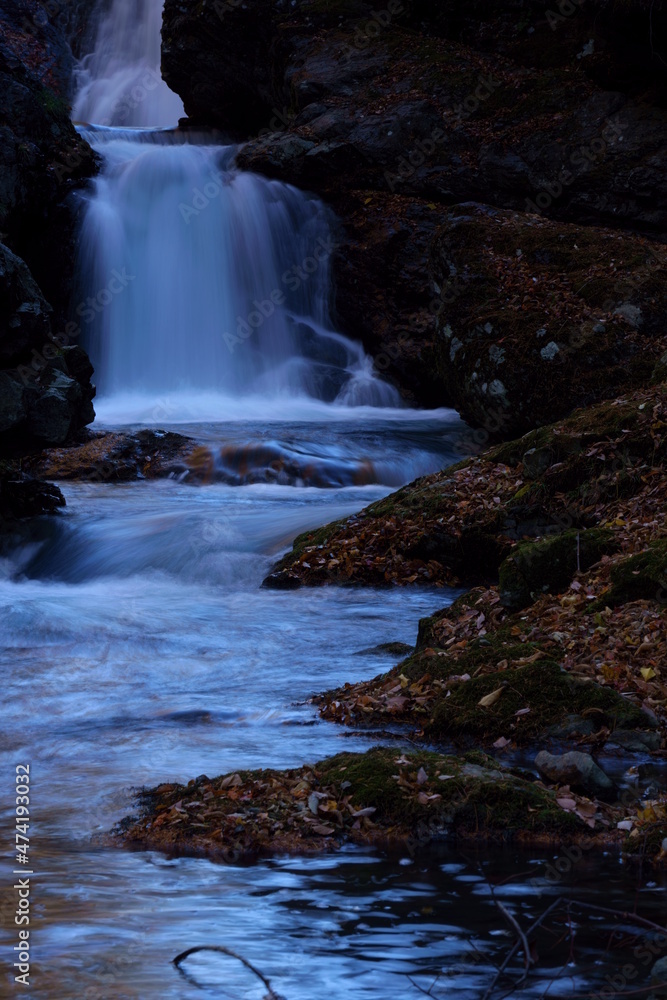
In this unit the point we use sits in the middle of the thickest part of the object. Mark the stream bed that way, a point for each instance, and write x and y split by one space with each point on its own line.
139 647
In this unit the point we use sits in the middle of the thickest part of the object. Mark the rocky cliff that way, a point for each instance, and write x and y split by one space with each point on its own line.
396 111
45 388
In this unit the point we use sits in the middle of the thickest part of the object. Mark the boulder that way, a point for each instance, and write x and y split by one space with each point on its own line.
576 769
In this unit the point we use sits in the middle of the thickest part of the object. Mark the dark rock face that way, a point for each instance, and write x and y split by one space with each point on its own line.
47 395
395 111
536 318
45 389
40 153
24 312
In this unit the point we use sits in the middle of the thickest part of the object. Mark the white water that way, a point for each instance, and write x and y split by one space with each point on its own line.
136 645
197 278
119 83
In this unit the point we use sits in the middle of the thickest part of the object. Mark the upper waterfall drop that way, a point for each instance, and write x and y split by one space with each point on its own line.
119 83
197 279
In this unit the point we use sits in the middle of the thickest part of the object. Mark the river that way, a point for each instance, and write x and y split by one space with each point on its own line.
140 647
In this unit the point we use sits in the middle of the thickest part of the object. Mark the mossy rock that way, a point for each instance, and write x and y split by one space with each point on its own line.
642 576
550 565
550 693
382 797
476 793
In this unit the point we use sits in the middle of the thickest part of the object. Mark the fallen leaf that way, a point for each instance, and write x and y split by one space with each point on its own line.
490 699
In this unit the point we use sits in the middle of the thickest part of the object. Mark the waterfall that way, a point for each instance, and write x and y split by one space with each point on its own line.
119 83
196 278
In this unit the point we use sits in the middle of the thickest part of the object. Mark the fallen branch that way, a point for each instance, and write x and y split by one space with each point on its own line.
523 938
232 954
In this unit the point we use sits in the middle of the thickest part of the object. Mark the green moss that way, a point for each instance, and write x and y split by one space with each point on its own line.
53 104
372 785
550 565
642 576
549 693
478 796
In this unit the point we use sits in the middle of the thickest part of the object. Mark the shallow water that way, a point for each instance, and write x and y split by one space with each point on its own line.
139 647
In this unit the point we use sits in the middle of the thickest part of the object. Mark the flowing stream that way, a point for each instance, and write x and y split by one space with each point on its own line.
138 644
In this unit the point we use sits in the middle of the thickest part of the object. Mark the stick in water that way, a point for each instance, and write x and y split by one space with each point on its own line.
227 951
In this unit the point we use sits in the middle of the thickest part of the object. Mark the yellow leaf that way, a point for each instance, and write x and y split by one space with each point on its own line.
490 699
648 673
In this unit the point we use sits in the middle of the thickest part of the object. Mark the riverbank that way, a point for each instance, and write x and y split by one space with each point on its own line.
561 650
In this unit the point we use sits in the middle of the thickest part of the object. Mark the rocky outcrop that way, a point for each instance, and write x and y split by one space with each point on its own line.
41 155
393 112
45 389
535 318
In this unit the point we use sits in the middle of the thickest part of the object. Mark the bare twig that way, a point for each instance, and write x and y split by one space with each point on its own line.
428 992
226 951
527 960
563 901
620 914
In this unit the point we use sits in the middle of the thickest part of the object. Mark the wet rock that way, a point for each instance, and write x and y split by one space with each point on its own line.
27 498
387 649
52 412
636 742
572 726
659 972
576 769
116 457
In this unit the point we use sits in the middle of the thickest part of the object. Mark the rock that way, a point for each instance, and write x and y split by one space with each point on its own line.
473 109
576 769
573 725
42 159
551 564
52 413
45 390
659 974
635 741
26 498
24 312
400 649
12 405
118 457
530 361
641 576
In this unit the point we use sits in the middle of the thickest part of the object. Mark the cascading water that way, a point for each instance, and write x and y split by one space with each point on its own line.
119 82
196 278
199 278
